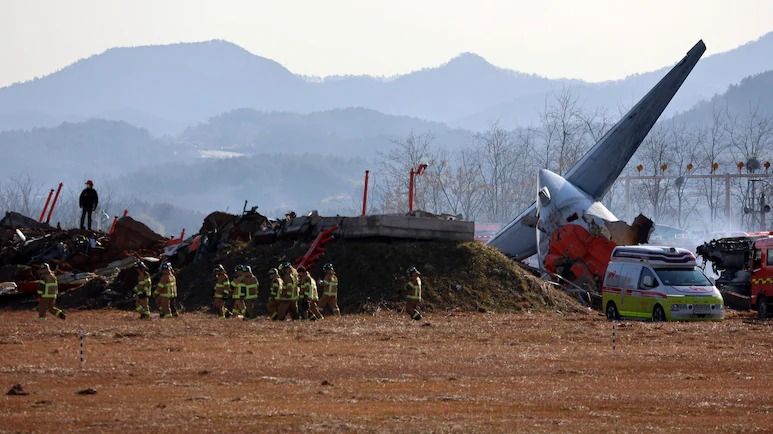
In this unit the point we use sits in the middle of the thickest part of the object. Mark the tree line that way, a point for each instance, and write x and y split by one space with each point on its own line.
494 177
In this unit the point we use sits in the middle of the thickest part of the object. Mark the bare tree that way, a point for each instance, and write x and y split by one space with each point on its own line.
391 191
567 131
656 154
19 194
498 161
712 151
684 144
456 185
751 136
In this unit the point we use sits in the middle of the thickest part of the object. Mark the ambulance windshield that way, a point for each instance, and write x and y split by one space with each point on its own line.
682 277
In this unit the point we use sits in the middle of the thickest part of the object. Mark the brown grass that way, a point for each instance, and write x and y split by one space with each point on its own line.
458 372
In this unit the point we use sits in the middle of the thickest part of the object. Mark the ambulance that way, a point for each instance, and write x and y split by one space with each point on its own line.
658 283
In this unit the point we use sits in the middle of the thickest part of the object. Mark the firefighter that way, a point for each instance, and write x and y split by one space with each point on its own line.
166 289
288 299
309 293
237 292
142 291
250 286
47 293
294 309
413 293
222 291
329 286
173 301
274 291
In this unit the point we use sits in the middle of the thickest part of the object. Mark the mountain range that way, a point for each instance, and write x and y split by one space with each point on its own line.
203 126
167 88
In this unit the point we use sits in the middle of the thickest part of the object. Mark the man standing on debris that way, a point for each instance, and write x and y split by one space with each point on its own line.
222 291
288 299
49 288
166 290
413 293
237 292
88 202
309 293
274 292
329 286
142 291
250 285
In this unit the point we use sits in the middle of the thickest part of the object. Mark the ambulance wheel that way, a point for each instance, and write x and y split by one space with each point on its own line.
658 314
763 309
612 313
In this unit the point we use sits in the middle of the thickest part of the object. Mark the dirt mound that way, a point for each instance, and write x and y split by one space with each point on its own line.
456 275
132 235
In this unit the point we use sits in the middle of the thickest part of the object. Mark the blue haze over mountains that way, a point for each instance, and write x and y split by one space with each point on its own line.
144 116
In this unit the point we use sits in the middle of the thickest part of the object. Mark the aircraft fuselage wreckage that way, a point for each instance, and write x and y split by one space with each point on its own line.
568 213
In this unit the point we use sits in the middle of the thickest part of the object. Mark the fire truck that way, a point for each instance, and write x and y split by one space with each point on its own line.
745 268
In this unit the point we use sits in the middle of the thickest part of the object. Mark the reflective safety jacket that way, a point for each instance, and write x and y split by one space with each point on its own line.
237 288
289 290
49 287
295 291
309 288
250 286
413 289
143 286
222 285
276 288
329 286
167 289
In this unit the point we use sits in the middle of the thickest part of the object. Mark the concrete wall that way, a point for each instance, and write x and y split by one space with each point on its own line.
397 226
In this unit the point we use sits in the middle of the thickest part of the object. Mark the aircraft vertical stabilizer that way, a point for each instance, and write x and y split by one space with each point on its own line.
598 169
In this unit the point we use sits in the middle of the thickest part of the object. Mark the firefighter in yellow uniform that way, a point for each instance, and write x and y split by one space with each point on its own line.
173 301
222 291
413 293
309 292
329 287
296 291
47 292
142 291
250 286
294 308
166 290
274 291
288 299
237 292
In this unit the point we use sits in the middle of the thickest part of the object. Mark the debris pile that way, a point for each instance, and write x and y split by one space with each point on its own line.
96 269
87 264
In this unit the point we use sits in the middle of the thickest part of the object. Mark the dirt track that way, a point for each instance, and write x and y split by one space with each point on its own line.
459 373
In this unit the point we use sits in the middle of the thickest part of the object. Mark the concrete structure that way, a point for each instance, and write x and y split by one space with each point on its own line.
385 226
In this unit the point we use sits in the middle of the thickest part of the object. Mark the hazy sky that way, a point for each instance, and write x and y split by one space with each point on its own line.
593 40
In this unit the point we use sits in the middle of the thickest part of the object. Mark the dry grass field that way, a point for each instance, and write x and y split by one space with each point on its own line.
453 372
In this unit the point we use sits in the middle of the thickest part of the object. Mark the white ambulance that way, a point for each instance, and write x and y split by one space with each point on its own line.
658 283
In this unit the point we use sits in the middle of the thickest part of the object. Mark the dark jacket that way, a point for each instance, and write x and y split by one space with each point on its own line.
89 199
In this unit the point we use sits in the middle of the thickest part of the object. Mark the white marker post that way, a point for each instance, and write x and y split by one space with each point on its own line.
82 351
